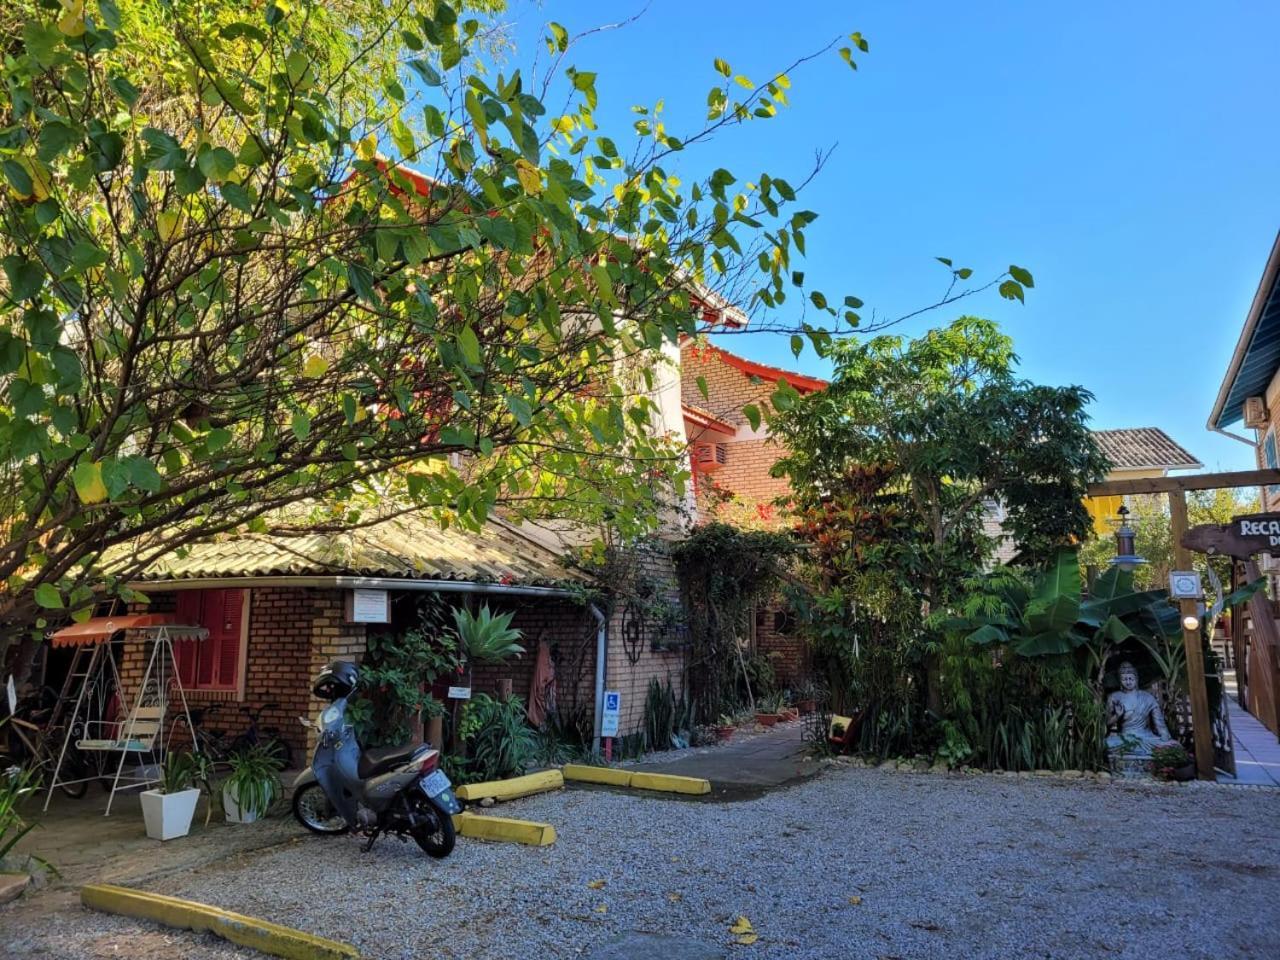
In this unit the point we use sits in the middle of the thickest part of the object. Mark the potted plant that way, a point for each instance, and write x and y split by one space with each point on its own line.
807 698
767 710
724 727
1172 763
252 786
167 810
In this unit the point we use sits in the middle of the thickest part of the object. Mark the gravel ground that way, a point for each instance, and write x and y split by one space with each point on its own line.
938 866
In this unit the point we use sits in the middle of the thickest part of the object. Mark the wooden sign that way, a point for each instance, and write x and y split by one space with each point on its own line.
1242 538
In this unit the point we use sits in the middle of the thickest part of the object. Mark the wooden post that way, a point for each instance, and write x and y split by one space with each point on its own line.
1200 723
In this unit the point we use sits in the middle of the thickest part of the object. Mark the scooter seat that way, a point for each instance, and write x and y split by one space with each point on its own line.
379 760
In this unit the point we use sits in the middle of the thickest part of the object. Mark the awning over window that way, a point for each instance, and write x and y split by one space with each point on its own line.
101 629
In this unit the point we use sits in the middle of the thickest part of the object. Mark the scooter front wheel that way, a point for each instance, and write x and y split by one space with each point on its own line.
313 810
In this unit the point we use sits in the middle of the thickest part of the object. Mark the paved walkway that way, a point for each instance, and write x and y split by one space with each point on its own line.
1256 748
746 768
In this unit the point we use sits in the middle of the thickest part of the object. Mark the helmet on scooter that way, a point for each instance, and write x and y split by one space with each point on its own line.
337 679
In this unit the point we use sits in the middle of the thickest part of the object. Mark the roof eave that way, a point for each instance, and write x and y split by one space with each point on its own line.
1270 274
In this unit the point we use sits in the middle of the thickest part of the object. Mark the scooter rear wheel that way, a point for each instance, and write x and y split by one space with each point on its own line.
436 837
312 809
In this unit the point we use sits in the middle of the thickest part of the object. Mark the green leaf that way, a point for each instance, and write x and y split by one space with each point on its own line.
143 473
216 164
55 137
703 389
87 478
1012 290
1056 603
165 152
559 37
520 409
469 346
1022 276
18 177
42 41
752 413
26 277
300 424
797 344
48 596
216 439
988 633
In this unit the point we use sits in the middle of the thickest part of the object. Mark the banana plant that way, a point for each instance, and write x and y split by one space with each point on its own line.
1052 616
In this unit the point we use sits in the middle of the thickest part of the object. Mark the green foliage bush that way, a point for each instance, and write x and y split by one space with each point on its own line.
499 742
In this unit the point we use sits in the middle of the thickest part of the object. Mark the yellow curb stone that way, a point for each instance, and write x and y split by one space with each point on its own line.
515 787
504 829
669 783
589 774
246 931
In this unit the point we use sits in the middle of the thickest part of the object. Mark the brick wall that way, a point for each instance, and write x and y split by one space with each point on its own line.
630 666
292 633
776 639
569 629
749 454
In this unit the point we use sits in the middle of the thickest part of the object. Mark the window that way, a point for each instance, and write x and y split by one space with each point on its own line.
214 662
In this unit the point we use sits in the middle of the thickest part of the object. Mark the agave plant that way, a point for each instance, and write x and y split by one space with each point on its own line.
486 637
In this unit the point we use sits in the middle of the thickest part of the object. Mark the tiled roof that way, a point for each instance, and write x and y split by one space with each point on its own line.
1143 447
800 381
403 547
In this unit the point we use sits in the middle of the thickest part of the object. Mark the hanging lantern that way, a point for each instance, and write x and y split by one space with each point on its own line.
1126 557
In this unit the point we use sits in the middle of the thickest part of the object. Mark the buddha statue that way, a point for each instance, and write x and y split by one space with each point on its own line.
1137 717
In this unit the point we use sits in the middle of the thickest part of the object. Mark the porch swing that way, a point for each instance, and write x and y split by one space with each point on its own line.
94 692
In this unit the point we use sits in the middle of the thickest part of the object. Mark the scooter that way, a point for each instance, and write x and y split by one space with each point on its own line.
398 790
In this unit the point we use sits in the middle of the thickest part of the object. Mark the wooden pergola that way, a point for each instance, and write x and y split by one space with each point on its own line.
1175 488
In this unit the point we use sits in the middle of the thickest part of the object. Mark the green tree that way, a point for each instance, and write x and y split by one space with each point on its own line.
946 427
220 298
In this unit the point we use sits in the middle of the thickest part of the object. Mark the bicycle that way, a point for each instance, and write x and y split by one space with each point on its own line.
37 748
220 746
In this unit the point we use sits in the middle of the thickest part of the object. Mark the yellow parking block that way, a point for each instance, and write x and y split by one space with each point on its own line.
504 829
246 931
588 774
669 783
511 789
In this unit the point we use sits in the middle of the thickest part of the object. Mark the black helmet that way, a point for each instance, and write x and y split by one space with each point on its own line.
338 679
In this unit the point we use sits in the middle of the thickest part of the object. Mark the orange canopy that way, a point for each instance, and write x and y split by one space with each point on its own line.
101 629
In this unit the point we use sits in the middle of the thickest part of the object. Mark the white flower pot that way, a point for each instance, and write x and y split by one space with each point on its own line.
234 813
168 815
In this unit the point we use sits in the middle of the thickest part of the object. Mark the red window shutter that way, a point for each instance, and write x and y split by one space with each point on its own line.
187 651
231 617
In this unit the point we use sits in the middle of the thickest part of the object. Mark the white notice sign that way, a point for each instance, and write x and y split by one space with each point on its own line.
612 707
459 693
370 606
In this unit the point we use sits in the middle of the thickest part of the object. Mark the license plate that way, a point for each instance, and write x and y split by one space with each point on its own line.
436 784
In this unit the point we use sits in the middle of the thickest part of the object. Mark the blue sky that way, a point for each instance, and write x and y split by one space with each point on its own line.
1124 153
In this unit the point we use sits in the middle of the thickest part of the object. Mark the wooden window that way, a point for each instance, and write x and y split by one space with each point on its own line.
214 662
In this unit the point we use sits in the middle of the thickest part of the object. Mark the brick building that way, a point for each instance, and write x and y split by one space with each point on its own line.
277 609
732 459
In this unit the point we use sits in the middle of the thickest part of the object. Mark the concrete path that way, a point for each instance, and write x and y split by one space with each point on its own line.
747 768
1256 748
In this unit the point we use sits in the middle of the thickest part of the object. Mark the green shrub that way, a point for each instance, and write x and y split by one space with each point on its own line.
499 742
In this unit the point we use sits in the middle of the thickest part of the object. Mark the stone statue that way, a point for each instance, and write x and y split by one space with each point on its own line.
1137 717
